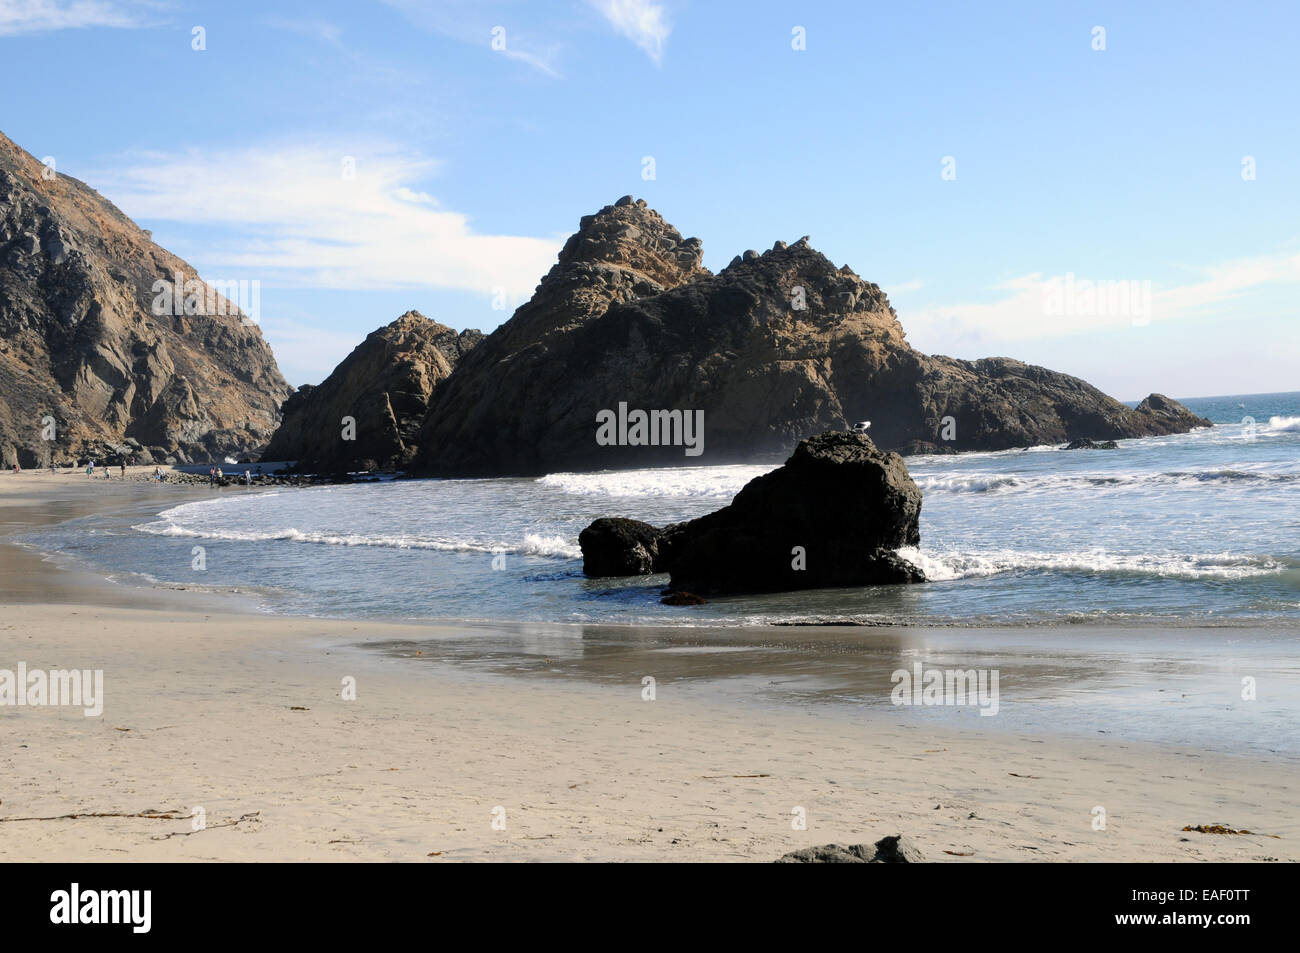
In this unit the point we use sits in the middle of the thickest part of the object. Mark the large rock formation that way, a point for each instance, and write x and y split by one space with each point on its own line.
774 348
85 358
384 387
521 401
832 516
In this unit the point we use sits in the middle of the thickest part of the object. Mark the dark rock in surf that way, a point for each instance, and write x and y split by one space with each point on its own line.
1169 416
1086 444
614 546
833 515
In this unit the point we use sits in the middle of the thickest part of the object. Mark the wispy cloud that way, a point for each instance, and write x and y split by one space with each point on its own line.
643 22
38 16
323 30
1035 307
323 215
490 24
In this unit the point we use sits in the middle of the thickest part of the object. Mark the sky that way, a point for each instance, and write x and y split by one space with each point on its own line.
1108 189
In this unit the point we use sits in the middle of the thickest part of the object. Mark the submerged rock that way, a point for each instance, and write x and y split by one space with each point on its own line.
1086 444
683 599
896 849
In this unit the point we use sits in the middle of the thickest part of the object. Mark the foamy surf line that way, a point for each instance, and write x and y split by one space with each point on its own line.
554 547
722 482
1005 483
945 567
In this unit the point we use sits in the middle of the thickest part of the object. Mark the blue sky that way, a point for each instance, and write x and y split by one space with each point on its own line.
1128 164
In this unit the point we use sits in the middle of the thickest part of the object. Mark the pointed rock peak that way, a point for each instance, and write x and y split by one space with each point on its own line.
631 235
413 331
829 292
412 320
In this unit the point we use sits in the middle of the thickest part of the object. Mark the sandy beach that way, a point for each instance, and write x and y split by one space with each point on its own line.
210 705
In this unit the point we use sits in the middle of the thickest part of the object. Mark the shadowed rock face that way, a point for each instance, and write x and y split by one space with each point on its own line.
79 341
521 401
774 348
384 386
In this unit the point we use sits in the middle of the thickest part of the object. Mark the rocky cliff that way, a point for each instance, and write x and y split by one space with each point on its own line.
94 357
774 348
383 388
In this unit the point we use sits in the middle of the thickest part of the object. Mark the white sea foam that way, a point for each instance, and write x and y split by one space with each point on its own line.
940 567
532 544
721 482
1003 483
1284 424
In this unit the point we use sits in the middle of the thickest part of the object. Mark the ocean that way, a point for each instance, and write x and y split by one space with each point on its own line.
1190 530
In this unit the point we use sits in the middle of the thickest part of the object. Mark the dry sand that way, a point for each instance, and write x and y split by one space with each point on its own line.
241 714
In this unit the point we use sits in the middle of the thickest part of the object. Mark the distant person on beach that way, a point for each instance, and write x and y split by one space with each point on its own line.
123 469
90 469
212 475
248 478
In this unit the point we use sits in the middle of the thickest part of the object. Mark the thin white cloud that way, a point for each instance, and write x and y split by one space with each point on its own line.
481 23
1034 307
537 62
325 215
643 22
323 30
39 16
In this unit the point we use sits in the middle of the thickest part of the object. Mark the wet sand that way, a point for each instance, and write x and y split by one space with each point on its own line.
211 705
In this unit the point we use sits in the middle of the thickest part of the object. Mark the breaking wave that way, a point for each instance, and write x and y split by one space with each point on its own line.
722 482
1284 424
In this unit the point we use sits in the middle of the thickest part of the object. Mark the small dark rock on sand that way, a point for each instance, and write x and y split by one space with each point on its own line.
895 849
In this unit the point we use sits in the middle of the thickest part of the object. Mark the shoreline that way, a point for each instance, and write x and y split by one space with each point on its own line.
241 713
